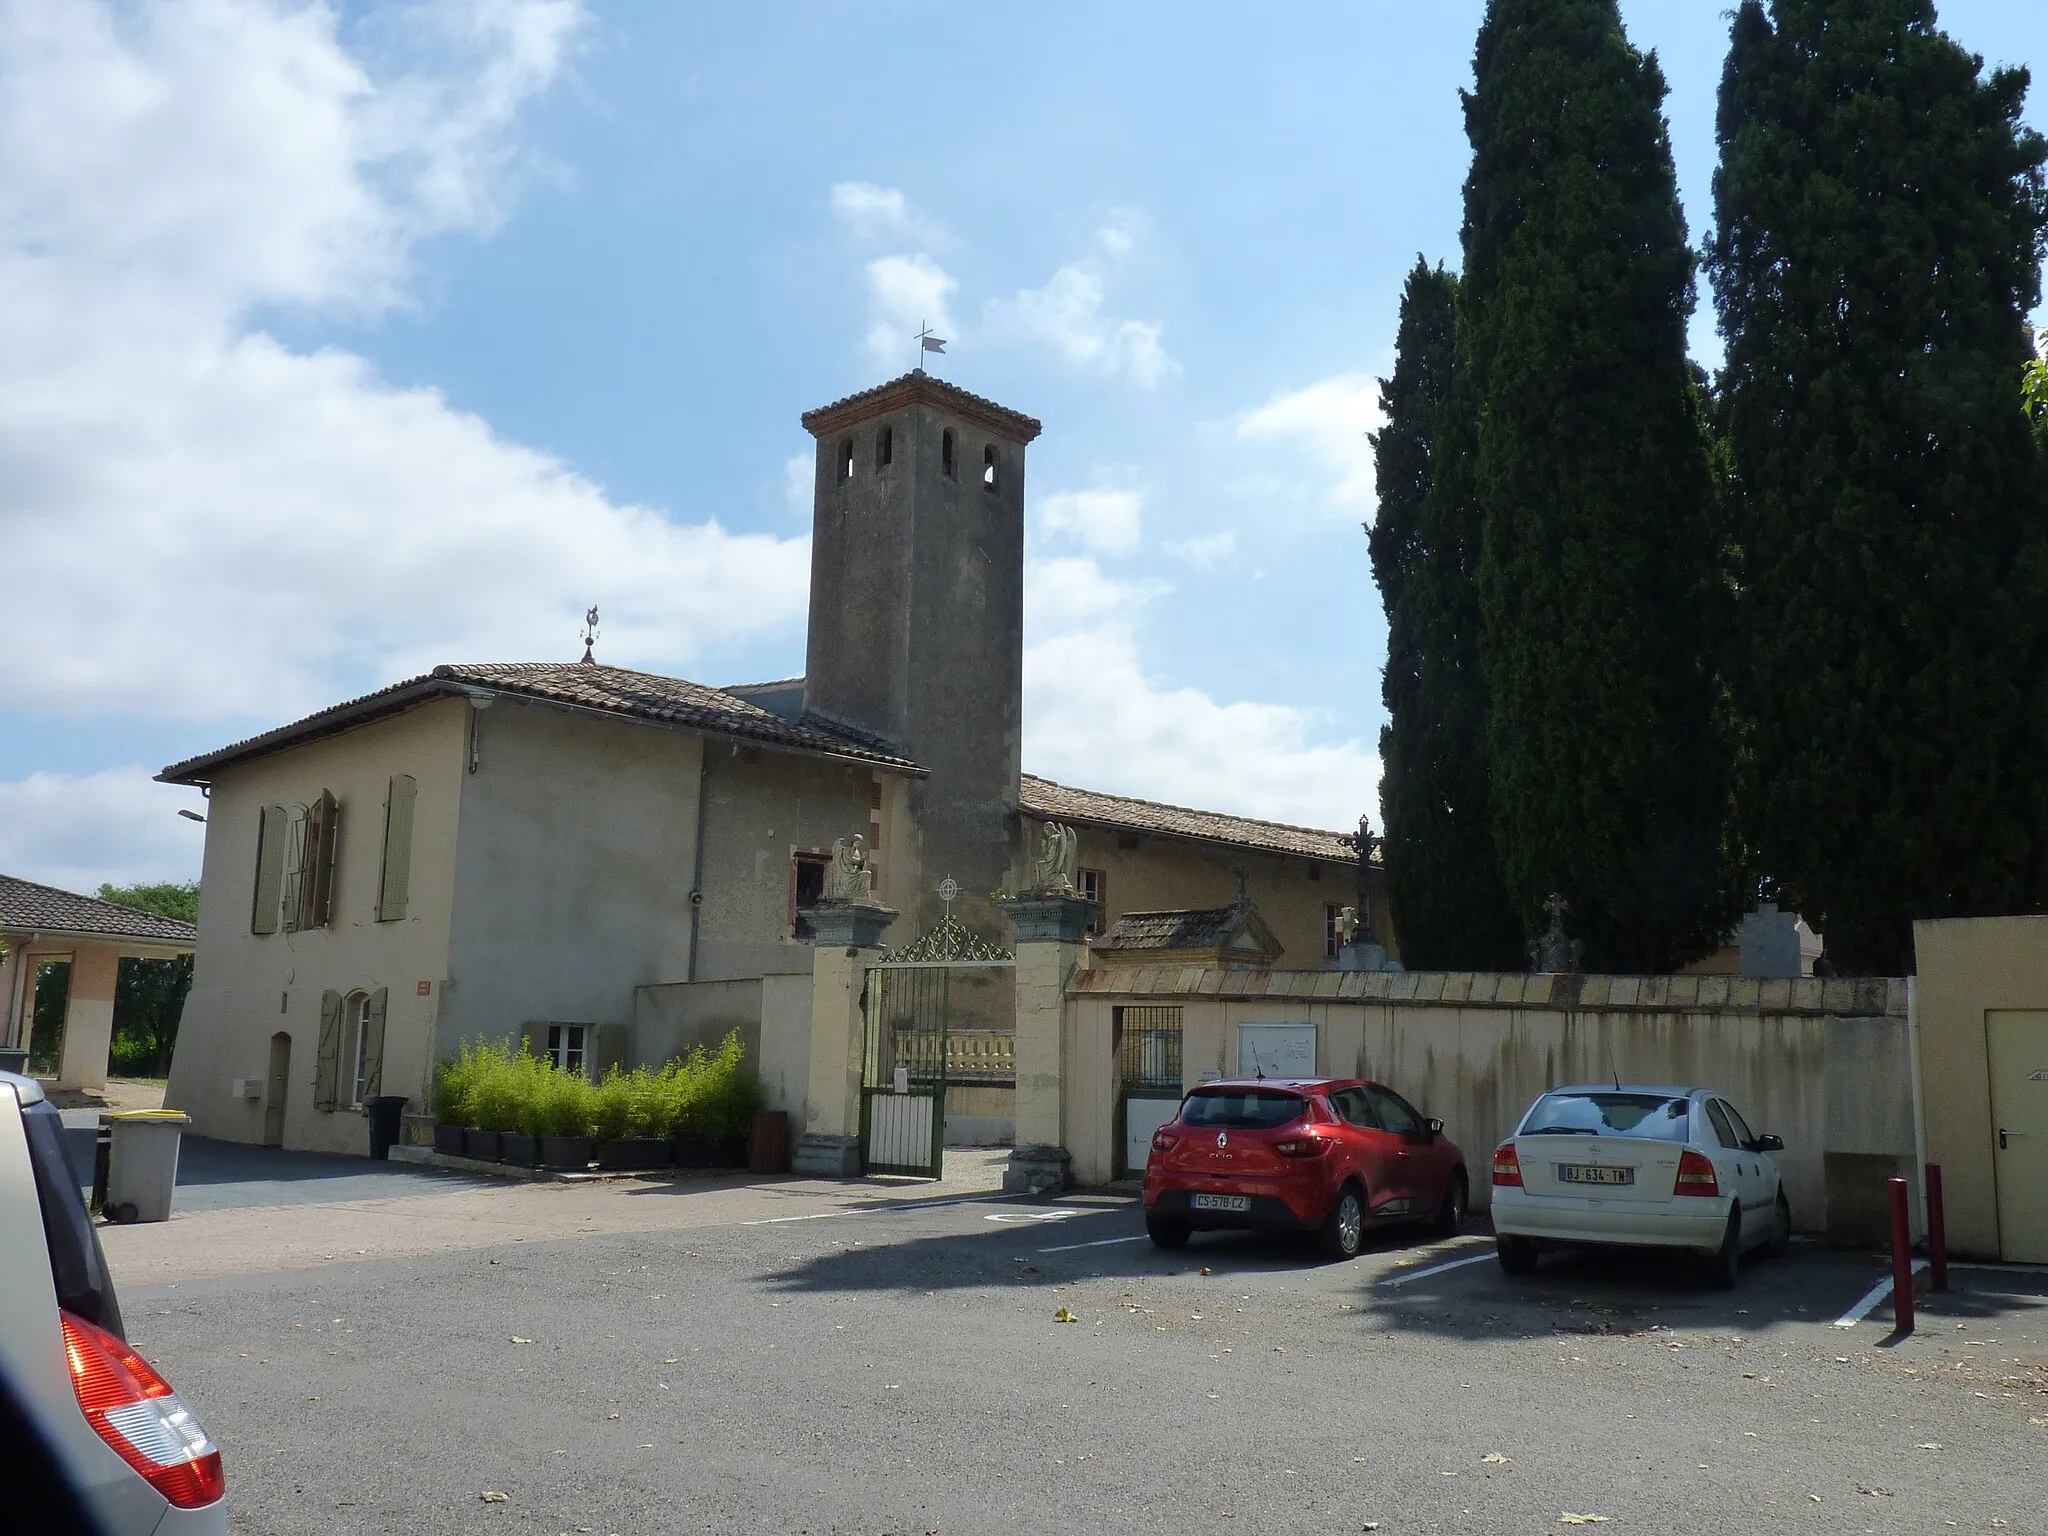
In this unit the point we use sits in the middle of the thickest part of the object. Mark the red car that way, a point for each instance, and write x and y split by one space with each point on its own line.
1325 1155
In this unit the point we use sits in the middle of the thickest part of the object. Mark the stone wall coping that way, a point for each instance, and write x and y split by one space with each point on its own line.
1830 996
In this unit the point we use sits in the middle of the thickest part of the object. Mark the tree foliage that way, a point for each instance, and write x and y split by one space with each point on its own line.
149 996
1879 221
1601 600
1443 879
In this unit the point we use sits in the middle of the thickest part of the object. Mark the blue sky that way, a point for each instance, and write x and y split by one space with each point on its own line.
347 341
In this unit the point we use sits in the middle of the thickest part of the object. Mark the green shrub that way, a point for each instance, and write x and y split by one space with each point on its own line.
565 1103
454 1084
612 1105
647 1103
494 1099
731 1094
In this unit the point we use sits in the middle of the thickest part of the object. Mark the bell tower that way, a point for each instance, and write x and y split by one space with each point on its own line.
917 615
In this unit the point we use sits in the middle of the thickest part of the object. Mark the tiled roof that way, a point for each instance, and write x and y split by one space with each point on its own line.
919 385
1202 928
642 696
1042 797
26 907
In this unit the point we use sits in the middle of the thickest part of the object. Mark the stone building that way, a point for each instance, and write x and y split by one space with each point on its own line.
616 864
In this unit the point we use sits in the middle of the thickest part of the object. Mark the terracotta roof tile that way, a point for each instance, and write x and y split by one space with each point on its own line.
1204 928
28 907
919 385
643 696
1042 797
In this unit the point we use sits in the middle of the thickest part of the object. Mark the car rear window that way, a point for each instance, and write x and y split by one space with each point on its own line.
84 1287
1242 1108
1651 1116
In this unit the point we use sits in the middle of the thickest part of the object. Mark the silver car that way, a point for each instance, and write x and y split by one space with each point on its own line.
133 1455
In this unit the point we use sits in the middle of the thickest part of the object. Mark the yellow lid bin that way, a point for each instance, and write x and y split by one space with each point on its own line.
142 1165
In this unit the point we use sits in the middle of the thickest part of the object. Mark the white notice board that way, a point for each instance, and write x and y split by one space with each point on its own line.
1276 1050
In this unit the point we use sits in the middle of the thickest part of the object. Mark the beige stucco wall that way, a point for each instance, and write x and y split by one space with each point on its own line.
247 987
785 1062
1967 967
670 1018
1165 873
1825 1065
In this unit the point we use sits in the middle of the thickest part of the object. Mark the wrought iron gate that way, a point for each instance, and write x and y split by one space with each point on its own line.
1148 1073
912 1053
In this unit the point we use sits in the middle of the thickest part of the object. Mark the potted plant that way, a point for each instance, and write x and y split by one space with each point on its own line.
645 1143
454 1081
492 1103
612 1118
733 1096
565 1139
683 1085
519 1142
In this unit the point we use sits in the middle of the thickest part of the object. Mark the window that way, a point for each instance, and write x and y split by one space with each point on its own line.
359 1047
1332 939
1652 1116
306 883
1261 1109
1393 1111
846 461
806 889
348 1070
393 892
885 447
1741 1126
567 1046
1089 886
1147 1046
988 467
1355 1108
1723 1131
946 453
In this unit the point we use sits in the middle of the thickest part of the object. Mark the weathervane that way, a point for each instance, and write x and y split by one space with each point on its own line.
589 632
927 342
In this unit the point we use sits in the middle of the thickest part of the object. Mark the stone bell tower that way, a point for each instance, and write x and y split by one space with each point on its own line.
917 617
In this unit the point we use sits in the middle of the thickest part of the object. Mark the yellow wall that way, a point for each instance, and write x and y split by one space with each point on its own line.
247 987
1967 967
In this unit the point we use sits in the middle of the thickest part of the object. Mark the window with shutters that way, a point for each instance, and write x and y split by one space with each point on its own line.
394 890
272 827
293 886
360 1050
566 1046
1089 885
307 884
356 1042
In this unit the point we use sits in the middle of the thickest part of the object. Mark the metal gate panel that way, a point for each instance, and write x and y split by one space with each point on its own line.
1148 1069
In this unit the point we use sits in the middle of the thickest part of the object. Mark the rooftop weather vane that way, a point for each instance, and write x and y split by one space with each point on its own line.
589 632
927 342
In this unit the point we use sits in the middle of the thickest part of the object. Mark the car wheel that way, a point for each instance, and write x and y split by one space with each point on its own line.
1781 1229
1517 1255
1166 1234
1726 1266
1344 1227
1450 1211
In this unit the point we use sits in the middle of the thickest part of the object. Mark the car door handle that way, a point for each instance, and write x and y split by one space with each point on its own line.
2003 1133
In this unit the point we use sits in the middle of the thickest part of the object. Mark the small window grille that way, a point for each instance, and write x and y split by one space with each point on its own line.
1148 1047
946 453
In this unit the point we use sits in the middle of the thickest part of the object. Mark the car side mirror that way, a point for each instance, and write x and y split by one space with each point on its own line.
1434 1126
1768 1144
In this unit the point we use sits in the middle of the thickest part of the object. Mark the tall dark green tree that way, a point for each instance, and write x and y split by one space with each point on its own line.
1879 222
1443 877
1601 592
149 995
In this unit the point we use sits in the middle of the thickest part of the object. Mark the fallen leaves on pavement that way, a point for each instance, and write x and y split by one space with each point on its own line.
495 1498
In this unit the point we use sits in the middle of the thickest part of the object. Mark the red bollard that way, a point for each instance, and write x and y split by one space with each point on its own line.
1902 1261
1937 1232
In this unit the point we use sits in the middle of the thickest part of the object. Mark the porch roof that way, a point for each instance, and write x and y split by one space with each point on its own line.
27 907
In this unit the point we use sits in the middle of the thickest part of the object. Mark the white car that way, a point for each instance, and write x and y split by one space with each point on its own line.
132 1455
1638 1167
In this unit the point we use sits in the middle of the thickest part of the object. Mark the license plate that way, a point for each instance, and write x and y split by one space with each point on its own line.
1585 1173
1222 1202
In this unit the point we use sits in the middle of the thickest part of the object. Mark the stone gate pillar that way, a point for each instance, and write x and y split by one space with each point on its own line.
1052 944
846 938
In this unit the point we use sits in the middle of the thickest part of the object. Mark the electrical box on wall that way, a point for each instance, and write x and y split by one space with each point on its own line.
247 1088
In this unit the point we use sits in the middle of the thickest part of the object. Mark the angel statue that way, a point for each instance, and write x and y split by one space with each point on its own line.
1347 926
1058 848
852 874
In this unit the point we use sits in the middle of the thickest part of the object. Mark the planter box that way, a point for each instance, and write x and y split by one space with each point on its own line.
566 1152
691 1152
519 1149
448 1138
480 1144
729 1154
632 1152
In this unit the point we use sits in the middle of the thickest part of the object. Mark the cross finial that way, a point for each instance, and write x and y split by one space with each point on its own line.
590 633
927 342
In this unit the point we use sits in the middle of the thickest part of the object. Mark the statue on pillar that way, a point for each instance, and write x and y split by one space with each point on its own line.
851 876
1058 851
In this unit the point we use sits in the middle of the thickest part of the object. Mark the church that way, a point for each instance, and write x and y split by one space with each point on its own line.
615 864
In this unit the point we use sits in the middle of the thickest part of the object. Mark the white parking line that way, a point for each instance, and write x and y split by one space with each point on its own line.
1871 1298
1100 1242
1435 1269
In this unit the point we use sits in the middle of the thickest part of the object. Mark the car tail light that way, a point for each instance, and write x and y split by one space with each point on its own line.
1164 1141
1507 1168
135 1411
1696 1175
1302 1146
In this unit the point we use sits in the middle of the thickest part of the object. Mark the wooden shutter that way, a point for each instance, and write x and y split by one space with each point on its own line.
604 1047
327 1062
323 827
396 889
294 868
271 829
373 1044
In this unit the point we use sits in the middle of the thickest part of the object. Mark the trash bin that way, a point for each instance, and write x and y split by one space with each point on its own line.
142 1167
13 1059
383 1113
768 1143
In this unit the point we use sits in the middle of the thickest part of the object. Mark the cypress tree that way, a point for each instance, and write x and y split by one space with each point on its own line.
1443 878
1879 216
1600 576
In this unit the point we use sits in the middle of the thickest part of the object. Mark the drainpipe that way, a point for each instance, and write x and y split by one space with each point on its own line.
697 872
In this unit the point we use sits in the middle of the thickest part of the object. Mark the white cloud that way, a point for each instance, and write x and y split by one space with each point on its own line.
1093 717
883 213
1330 419
799 488
82 831
199 521
1067 315
1102 520
905 294
1205 550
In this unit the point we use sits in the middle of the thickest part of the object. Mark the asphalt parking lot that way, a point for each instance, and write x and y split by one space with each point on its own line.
654 1357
